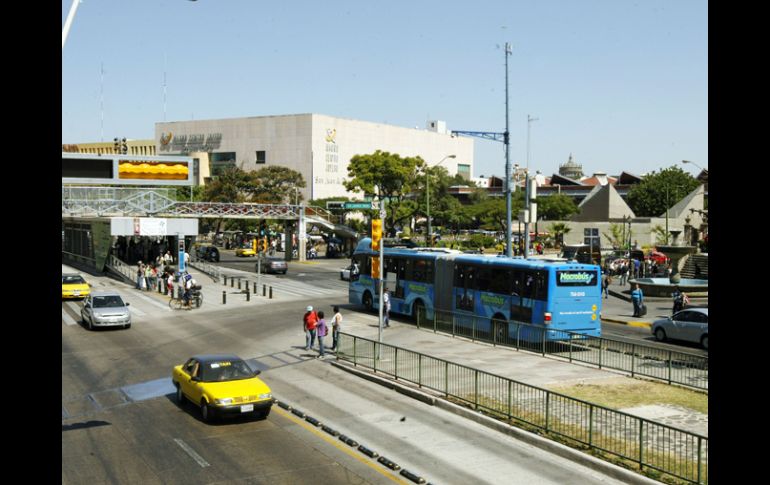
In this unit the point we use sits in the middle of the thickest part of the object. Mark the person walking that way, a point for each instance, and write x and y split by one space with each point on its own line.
322 330
386 308
139 275
680 300
336 328
637 298
309 321
606 280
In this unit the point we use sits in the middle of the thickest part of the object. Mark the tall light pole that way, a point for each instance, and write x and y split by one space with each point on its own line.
427 196
508 252
527 196
703 169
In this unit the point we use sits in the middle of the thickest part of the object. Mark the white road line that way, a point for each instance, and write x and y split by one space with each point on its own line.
195 456
74 306
67 318
147 299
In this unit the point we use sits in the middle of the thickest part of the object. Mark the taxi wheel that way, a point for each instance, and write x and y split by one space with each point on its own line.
179 395
205 413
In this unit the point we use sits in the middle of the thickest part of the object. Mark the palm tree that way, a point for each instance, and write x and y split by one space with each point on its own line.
559 229
615 236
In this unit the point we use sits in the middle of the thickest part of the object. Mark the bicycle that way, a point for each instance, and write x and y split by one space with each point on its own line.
196 300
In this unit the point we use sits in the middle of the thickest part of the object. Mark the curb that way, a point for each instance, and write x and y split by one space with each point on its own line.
611 470
630 324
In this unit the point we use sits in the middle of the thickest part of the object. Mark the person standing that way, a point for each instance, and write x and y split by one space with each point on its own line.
605 284
139 275
309 321
637 298
386 308
322 330
336 328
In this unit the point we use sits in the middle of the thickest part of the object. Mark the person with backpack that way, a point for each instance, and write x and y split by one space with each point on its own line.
680 300
309 322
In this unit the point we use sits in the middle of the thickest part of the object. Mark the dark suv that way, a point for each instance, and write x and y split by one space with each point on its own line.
207 253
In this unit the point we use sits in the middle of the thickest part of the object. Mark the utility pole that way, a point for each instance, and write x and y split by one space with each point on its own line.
529 195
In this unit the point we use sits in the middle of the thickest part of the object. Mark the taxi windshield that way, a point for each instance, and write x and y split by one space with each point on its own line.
72 280
226 371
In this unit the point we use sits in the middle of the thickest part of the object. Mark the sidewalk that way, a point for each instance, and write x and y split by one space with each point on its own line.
521 366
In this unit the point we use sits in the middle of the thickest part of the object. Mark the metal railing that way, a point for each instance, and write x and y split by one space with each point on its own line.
670 366
649 445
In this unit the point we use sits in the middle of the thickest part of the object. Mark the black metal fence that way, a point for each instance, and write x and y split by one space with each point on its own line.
648 444
667 365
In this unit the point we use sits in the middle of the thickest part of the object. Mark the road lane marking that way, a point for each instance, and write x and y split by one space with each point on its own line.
67 319
150 300
195 456
337 444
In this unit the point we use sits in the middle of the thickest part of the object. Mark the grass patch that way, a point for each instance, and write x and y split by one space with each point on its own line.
625 393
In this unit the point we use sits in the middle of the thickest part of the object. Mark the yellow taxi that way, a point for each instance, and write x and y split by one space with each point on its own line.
222 385
245 251
74 286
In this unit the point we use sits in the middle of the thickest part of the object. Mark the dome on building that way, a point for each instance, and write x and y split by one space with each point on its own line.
571 169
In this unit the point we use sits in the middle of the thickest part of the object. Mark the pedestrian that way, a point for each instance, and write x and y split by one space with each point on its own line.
322 330
309 321
139 275
386 307
606 280
148 277
680 299
637 298
336 328
623 273
170 283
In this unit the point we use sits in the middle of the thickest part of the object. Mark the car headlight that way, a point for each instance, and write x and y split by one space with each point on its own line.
266 396
224 402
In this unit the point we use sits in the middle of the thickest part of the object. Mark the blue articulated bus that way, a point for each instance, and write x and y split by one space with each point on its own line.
492 293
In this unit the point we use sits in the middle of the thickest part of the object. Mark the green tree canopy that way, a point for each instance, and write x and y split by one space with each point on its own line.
659 191
275 185
557 207
387 176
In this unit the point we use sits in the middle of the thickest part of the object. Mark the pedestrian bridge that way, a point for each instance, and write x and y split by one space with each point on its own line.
90 202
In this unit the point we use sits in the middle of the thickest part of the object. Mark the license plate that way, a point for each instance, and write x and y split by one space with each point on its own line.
247 408
76 293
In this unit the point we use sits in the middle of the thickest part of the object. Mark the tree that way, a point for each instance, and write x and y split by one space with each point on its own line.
275 185
659 191
557 207
559 229
616 235
387 176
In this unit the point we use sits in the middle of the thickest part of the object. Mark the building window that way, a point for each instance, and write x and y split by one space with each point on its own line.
464 171
261 156
221 161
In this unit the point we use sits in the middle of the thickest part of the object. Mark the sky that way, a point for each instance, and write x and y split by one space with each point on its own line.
621 85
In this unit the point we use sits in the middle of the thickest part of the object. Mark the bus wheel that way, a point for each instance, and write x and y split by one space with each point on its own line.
367 301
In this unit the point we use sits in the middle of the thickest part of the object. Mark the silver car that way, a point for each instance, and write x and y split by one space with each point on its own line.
691 325
105 309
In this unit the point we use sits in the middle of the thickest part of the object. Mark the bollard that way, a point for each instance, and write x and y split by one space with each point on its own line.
264 290
271 292
160 286
239 283
225 277
224 297
232 282
248 295
255 287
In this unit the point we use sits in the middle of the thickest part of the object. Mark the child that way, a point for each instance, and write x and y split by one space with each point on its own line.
321 327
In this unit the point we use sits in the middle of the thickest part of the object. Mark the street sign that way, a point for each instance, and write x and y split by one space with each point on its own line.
361 205
333 204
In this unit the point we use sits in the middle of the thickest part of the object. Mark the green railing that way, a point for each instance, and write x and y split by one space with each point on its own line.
667 365
650 445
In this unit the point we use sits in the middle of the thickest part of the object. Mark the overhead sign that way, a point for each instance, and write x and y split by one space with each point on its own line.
335 204
361 205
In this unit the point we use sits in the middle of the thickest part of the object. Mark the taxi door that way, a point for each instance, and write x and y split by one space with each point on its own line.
190 388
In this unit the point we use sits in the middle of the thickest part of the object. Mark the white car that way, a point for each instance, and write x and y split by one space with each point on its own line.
105 309
345 272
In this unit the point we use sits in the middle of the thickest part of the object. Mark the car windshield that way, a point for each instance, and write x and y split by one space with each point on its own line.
228 370
109 301
72 280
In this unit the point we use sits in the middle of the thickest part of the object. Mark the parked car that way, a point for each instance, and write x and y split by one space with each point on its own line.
74 286
690 325
221 385
207 253
346 273
272 265
105 309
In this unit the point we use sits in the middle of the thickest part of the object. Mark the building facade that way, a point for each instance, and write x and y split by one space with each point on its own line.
317 146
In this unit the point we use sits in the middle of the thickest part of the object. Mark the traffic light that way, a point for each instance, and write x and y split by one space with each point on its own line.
116 145
123 146
376 234
254 246
375 267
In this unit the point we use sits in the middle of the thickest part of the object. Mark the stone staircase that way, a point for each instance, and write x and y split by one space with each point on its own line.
696 266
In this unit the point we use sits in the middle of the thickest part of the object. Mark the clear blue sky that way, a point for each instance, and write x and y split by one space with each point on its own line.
622 85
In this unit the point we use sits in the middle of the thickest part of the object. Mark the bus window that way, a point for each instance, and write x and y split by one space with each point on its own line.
465 283
422 271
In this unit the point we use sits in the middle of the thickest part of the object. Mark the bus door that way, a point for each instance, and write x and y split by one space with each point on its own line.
395 275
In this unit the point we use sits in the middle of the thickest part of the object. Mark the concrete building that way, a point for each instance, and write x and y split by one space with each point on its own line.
318 146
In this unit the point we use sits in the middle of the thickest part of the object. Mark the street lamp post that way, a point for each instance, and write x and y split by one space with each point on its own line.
427 197
704 169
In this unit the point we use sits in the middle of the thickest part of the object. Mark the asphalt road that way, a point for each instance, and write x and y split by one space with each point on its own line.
113 434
